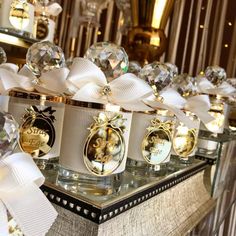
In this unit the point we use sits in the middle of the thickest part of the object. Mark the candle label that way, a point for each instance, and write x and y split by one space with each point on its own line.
104 149
157 143
37 133
19 14
185 141
42 28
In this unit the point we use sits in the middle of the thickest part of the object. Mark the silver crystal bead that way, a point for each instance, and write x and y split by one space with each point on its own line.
3 56
44 56
173 69
215 74
8 134
110 58
185 85
157 75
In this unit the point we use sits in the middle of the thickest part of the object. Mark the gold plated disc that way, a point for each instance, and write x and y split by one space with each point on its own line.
104 149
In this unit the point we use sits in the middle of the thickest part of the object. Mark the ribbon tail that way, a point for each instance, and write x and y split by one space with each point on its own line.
203 115
30 209
3 220
183 118
178 113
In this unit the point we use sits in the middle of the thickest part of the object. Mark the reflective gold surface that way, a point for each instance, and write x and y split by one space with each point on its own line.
157 143
37 133
184 141
19 14
105 147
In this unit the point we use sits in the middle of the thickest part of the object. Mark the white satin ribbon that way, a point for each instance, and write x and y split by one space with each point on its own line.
87 81
54 9
52 82
174 102
205 86
9 79
20 195
200 105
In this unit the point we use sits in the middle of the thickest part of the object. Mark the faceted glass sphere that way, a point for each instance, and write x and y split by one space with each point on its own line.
215 74
134 67
157 75
3 56
44 56
110 58
8 134
173 69
185 85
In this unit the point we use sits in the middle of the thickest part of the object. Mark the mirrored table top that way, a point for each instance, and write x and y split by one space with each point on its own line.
134 189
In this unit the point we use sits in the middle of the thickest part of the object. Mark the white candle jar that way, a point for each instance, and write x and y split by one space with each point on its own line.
94 148
219 111
17 16
41 121
185 139
150 142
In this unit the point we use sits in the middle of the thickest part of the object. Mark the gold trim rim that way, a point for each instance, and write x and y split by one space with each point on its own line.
36 96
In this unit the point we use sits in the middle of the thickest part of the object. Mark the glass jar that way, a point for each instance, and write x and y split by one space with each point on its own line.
185 139
41 121
232 118
150 142
94 147
219 111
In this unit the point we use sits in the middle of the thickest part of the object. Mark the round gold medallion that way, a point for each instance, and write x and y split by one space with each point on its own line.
42 29
37 133
157 143
104 149
184 141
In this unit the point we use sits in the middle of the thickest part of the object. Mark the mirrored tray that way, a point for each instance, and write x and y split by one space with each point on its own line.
219 139
16 37
134 190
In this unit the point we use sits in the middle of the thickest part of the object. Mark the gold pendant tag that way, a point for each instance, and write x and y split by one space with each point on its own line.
37 133
104 149
185 141
157 143
42 29
19 14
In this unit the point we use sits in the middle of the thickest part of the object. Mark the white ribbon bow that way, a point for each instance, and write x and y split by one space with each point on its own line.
52 82
20 195
174 102
205 86
9 79
88 82
53 9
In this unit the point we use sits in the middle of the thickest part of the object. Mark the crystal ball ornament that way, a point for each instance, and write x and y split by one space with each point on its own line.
8 134
215 74
3 56
157 75
185 85
110 58
44 56
134 67
173 69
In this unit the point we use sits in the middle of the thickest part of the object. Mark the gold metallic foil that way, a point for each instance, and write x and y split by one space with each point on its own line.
37 133
157 143
19 14
185 141
104 149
